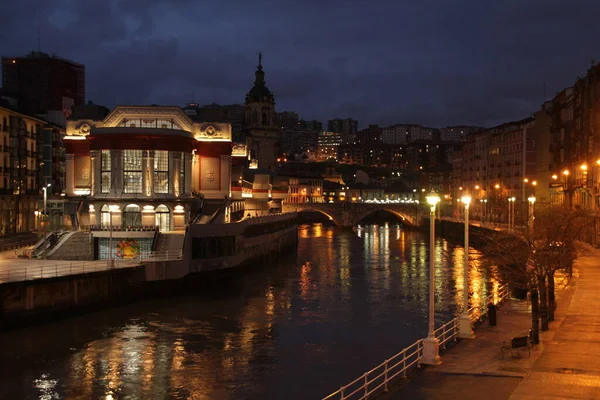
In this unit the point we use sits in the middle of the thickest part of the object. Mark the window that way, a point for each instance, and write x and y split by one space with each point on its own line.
105 171
132 171
161 171
182 175
163 218
132 216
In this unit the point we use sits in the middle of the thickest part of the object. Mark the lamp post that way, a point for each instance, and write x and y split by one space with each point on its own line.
431 345
464 322
511 213
37 219
531 218
45 189
111 261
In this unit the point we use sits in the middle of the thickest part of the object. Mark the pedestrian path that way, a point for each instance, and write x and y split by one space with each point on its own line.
475 369
569 366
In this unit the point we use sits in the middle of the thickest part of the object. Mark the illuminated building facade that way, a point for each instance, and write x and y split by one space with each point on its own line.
145 167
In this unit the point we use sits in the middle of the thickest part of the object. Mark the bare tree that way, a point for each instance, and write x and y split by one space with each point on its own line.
529 257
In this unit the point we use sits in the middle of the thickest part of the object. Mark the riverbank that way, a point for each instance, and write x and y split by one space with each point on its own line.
33 299
564 364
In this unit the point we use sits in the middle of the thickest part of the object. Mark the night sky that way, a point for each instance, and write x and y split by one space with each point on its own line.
437 63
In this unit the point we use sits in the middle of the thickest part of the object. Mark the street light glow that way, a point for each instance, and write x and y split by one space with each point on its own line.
555 177
583 167
531 199
497 186
432 198
466 199
566 172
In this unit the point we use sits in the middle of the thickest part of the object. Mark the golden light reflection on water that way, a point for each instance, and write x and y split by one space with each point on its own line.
237 341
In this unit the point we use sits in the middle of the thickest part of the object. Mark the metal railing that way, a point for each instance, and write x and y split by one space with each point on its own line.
379 378
477 312
161 256
53 270
115 228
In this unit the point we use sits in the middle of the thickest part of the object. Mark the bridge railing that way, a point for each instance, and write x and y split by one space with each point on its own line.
377 379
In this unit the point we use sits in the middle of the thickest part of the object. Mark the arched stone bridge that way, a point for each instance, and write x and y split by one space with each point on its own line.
349 214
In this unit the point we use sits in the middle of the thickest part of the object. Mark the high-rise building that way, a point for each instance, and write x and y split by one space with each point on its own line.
44 85
286 119
229 113
312 125
347 126
370 136
456 133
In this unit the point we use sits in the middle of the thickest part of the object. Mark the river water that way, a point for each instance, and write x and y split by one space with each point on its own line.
295 330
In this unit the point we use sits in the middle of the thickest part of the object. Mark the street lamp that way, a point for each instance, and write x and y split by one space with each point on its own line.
511 213
465 329
37 219
111 261
45 189
531 200
431 345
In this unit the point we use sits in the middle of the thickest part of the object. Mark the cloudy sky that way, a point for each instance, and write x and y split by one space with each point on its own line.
434 62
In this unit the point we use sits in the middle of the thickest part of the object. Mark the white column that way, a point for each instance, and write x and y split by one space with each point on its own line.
431 346
465 328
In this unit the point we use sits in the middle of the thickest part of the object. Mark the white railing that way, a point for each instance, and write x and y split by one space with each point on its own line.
479 311
379 377
161 256
53 270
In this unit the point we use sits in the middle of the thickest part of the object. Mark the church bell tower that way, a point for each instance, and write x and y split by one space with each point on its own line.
262 136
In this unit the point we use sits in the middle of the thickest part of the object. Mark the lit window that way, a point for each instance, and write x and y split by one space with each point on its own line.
132 171
105 171
161 171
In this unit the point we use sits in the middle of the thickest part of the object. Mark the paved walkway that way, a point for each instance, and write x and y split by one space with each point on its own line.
565 365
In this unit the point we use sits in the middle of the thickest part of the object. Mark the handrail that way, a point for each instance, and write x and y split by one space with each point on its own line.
161 256
53 270
380 376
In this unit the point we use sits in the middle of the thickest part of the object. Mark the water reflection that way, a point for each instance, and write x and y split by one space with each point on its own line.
347 302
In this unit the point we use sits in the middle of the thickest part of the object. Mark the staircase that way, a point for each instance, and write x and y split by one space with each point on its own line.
170 242
75 246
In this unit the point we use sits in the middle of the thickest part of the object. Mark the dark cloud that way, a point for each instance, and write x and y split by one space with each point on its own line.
433 62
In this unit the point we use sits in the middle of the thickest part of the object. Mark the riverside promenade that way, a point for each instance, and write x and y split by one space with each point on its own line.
565 365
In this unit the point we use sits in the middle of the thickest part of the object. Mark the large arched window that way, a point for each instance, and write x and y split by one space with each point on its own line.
104 216
132 216
163 218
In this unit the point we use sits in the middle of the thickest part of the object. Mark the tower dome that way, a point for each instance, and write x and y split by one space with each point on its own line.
259 93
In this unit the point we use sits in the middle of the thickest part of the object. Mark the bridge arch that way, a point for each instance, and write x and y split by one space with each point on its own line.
332 217
405 217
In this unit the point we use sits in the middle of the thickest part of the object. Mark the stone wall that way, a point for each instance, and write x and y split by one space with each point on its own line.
43 299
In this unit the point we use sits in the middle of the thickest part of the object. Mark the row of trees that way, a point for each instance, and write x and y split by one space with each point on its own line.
530 257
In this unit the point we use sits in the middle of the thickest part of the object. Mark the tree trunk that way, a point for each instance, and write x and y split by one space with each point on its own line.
551 297
543 291
535 317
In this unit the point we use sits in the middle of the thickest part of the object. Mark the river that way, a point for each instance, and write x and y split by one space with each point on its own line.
295 330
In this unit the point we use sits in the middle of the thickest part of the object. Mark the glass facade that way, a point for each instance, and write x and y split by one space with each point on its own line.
149 123
132 171
105 167
161 171
124 248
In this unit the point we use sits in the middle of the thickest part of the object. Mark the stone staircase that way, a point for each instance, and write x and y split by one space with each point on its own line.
76 246
171 242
